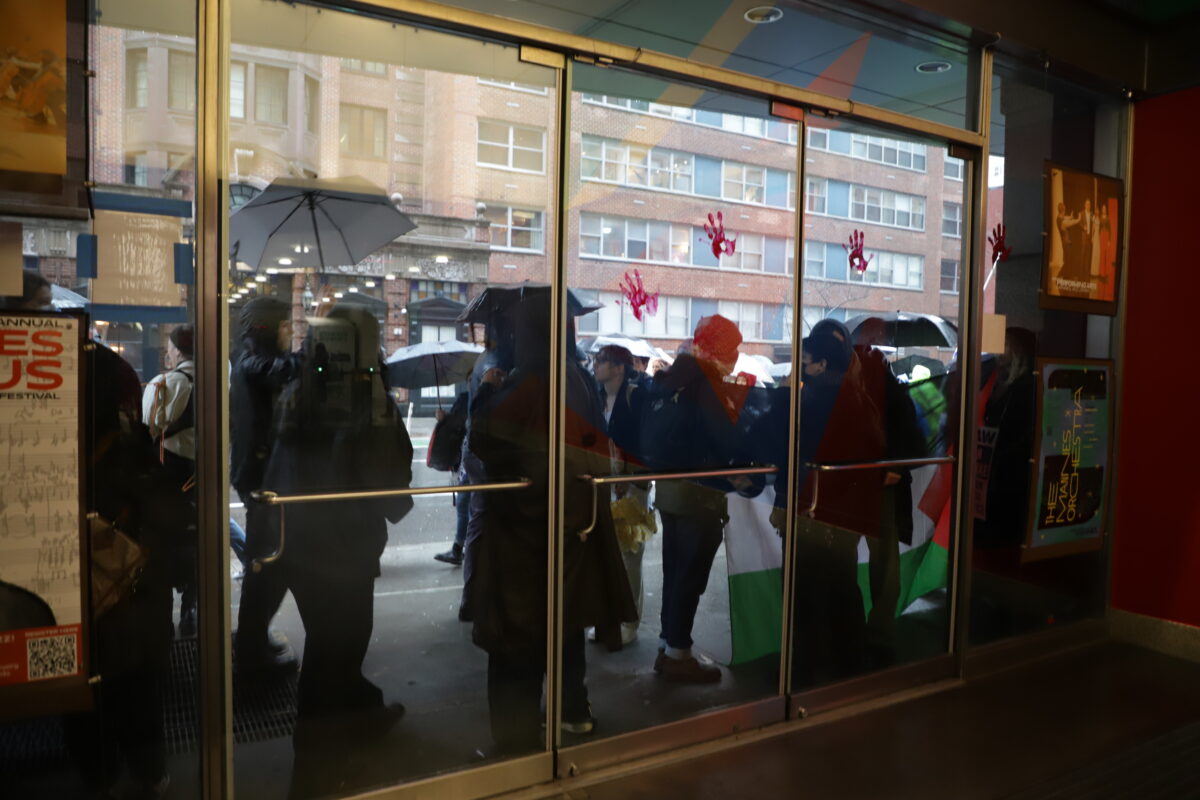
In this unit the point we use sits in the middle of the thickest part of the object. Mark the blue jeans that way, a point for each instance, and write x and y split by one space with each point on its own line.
237 542
689 545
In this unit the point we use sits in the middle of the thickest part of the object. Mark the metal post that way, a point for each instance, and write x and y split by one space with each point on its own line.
212 358
971 293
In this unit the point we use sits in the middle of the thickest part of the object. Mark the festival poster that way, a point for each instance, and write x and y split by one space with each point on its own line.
1073 456
1083 236
33 86
41 583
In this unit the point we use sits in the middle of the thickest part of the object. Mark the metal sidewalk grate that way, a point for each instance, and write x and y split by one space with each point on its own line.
263 708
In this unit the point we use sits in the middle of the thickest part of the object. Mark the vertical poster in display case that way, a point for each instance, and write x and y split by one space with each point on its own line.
42 543
33 87
1083 235
1072 458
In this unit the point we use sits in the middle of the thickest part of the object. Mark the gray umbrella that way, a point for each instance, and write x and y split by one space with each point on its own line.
431 364
313 223
903 329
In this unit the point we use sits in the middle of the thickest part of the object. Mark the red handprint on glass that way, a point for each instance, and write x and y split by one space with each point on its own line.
997 241
636 295
722 243
855 249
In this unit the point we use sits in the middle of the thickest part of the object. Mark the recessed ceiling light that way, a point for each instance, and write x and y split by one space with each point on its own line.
339 295
761 15
389 277
414 269
285 262
442 259
933 67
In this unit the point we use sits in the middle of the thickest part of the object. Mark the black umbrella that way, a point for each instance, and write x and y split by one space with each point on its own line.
904 329
431 364
498 297
313 223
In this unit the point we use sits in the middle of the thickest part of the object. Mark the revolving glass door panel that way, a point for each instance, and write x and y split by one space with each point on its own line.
385 181
679 248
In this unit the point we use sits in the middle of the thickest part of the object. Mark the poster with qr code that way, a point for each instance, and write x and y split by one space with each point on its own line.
41 581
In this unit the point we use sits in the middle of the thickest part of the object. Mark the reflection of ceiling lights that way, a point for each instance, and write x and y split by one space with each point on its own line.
933 67
272 271
442 259
606 230
260 278
370 284
414 269
285 262
250 284
326 300
354 289
389 277
339 295
761 15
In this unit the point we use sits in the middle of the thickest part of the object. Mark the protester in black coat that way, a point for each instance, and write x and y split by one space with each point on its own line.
262 367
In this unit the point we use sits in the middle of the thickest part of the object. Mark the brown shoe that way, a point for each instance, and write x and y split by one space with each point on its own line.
686 670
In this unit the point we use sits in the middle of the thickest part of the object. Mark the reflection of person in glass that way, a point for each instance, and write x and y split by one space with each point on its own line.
507 596
262 368
336 430
839 422
690 426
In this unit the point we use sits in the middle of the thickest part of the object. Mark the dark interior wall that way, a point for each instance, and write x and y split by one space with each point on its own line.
1156 556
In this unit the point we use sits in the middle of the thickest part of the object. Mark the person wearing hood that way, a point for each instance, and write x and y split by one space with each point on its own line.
692 423
260 371
509 432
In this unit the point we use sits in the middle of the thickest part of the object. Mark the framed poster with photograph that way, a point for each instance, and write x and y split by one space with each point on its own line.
1083 225
1072 458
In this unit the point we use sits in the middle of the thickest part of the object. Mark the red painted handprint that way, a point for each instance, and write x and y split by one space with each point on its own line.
722 244
997 241
636 295
855 249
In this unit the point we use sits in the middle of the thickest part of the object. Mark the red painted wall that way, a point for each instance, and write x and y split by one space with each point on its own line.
1156 556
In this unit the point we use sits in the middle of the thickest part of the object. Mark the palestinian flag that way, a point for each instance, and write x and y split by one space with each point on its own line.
924 565
754 559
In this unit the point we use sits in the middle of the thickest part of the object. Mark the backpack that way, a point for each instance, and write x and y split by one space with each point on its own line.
187 417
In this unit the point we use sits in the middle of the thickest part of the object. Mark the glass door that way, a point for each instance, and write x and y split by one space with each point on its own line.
679 258
392 197
885 241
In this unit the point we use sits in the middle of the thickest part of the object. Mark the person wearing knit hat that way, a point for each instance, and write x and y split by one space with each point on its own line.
691 425
717 339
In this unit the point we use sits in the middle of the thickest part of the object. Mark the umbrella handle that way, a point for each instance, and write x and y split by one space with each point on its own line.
437 384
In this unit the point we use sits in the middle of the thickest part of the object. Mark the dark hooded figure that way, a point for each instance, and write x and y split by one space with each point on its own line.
507 596
262 367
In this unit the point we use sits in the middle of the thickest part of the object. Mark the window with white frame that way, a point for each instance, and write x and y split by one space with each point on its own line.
949 276
237 89
137 79
137 169
751 126
508 146
748 255
532 88
902 270
818 139
791 190
181 81
953 168
615 316
814 259
908 155
358 65
312 104
270 94
790 257
743 182
747 316
815 195
363 131
671 170
516 228
887 208
952 219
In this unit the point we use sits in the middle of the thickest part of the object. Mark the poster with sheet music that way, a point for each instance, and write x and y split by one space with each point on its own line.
41 513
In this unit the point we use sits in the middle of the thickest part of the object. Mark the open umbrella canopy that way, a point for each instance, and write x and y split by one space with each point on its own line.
298 223
636 347
498 297
903 329
431 364
62 298
752 366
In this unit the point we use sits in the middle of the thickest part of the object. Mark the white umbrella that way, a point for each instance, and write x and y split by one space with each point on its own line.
780 371
431 364
752 366
62 298
636 347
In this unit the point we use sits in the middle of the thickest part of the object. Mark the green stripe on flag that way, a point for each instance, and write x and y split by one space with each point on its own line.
922 570
756 613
